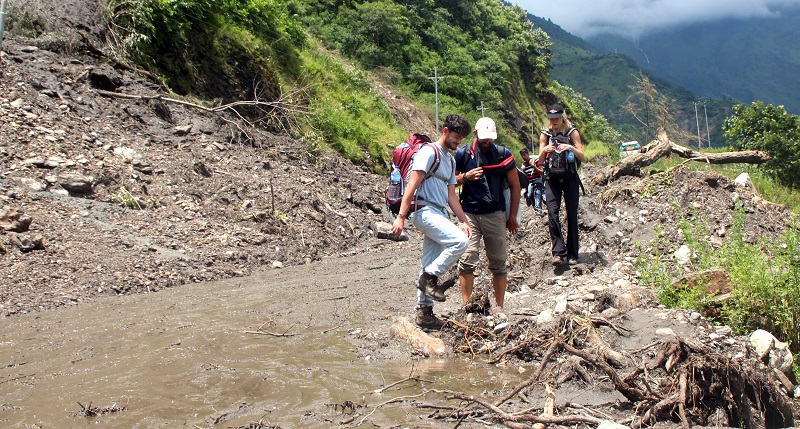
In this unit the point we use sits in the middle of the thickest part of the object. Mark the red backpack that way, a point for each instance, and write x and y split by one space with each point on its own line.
401 159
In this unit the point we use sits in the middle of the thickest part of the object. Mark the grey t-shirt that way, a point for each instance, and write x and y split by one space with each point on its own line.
434 189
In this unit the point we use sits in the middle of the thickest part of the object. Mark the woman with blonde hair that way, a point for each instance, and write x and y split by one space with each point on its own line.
561 151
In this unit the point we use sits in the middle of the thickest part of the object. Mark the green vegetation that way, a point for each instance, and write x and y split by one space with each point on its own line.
484 52
231 49
348 116
763 277
126 199
772 130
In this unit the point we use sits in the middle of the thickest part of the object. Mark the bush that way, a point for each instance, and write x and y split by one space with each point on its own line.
772 130
764 278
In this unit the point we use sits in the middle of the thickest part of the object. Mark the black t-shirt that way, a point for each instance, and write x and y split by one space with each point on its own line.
484 196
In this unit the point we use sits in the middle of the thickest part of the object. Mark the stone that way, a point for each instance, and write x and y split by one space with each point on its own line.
76 183
774 353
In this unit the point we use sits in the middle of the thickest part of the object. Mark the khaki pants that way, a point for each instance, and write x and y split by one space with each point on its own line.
491 228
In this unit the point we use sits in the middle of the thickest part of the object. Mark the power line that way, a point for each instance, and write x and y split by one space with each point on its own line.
699 145
482 109
708 134
435 78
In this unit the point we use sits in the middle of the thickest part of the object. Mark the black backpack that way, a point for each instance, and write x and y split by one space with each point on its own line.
557 166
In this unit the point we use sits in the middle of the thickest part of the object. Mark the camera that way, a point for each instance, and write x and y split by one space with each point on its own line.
560 139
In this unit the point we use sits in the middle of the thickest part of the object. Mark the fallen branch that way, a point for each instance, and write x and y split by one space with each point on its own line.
663 146
530 381
743 157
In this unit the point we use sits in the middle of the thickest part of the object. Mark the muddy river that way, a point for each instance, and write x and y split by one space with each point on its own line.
189 357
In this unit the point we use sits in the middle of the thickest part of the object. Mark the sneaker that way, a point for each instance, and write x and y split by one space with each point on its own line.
427 320
429 284
572 260
557 260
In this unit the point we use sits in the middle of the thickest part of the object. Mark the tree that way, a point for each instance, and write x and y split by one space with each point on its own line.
770 129
652 109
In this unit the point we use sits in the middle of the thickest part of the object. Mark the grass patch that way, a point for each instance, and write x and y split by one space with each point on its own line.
763 277
353 119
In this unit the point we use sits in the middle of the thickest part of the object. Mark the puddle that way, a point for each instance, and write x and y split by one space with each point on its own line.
184 358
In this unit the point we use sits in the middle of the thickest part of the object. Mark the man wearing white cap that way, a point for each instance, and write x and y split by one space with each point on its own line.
483 168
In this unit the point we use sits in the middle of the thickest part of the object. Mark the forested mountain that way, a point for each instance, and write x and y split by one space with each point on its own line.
477 58
747 60
606 80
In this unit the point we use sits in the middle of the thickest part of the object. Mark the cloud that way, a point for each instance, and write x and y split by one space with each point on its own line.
638 17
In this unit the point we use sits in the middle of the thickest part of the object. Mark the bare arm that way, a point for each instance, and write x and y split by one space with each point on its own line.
414 180
513 182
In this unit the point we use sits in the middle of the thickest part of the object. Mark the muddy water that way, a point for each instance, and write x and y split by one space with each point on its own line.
184 357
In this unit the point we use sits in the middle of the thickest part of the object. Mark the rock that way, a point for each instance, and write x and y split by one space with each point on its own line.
610 313
665 332
607 424
33 184
683 255
384 230
27 243
744 181
76 183
625 302
105 77
182 130
771 351
14 221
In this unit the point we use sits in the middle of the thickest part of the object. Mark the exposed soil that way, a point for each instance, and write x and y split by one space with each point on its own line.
104 196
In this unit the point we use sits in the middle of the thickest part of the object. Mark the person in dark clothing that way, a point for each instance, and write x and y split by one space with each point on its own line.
559 138
484 170
533 169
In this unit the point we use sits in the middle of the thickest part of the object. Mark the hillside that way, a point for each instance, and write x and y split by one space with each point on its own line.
745 60
605 79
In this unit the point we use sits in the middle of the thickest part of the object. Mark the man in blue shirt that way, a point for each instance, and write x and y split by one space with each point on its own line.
485 170
429 193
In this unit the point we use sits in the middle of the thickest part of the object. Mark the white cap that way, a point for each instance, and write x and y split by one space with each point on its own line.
486 129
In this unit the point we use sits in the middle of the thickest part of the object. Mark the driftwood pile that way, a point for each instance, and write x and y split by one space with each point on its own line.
675 380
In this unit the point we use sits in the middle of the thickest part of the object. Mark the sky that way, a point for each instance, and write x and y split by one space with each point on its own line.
634 18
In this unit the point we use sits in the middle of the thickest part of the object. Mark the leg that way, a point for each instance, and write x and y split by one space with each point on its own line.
466 281
553 192
451 240
499 284
496 250
537 199
571 200
469 260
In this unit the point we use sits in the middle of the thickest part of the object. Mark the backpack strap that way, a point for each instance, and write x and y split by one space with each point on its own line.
502 164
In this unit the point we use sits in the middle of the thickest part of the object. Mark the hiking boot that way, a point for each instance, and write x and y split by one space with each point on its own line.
429 284
427 320
557 260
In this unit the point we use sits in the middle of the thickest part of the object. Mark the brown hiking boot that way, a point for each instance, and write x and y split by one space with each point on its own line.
429 284
427 320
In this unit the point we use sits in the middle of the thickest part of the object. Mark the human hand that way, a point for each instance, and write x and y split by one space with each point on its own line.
474 174
512 224
397 226
467 230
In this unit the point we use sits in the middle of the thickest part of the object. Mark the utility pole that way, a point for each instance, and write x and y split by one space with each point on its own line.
708 134
532 133
435 78
2 20
482 109
699 145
